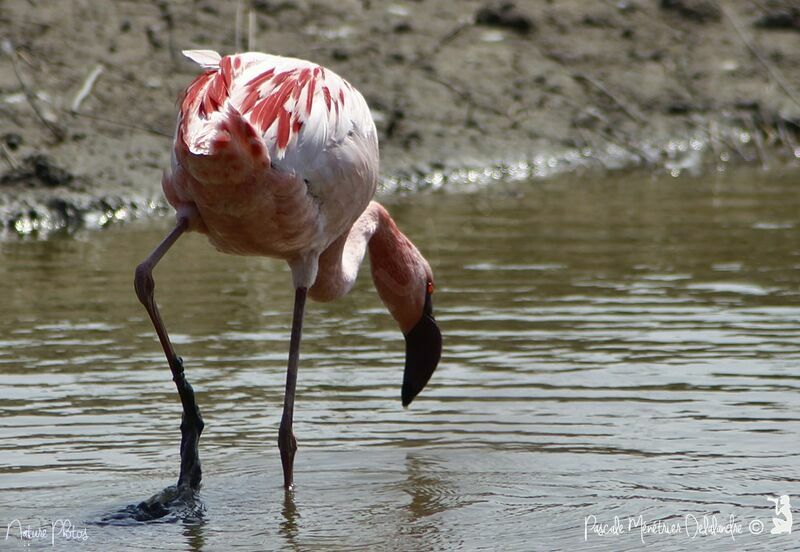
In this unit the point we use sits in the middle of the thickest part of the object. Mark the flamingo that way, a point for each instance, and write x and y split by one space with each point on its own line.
278 157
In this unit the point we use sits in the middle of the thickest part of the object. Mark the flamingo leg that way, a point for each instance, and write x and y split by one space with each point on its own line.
191 423
286 441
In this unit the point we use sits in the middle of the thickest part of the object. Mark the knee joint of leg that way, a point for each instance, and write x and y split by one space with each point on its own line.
193 423
143 283
286 440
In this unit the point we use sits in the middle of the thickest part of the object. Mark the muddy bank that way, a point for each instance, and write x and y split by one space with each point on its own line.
527 88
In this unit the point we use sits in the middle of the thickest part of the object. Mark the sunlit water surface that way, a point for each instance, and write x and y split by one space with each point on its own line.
617 347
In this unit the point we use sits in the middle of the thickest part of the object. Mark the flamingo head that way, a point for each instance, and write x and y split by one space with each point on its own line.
404 281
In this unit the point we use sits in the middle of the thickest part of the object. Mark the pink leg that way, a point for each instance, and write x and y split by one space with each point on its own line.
286 441
191 424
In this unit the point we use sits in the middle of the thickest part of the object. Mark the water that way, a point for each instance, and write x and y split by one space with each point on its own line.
613 347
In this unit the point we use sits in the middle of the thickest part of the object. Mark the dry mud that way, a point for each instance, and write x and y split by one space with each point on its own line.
463 92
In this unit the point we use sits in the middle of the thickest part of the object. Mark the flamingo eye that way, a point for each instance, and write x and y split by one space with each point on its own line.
430 287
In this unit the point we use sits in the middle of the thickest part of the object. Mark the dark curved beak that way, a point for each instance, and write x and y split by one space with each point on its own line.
423 350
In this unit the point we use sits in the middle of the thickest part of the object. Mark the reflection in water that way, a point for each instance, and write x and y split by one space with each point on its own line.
617 347
430 494
193 534
288 527
426 489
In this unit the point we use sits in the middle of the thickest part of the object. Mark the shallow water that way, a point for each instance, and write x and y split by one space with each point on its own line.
613 347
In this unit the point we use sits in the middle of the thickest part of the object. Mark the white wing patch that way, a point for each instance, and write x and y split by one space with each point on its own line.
207 59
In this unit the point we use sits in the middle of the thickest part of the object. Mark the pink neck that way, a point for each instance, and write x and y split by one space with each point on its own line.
399 271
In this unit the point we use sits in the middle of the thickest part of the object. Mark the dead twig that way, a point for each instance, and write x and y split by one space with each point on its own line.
787 139
169 21
773 71
130 126
734 140
759 140
616 100
588 144
12 115
237 32
57 132
448 38
622 141
32 63
8 157
86 89
251 30
467 96
713 138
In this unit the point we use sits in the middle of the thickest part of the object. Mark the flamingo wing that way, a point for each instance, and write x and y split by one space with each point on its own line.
305 114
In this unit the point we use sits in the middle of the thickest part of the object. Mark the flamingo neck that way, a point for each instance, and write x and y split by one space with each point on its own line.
339 263
399 271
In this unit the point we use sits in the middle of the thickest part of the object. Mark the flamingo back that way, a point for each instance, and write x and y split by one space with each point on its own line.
289 135
299 109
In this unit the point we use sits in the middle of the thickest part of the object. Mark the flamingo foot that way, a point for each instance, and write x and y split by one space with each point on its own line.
172 504
179 502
